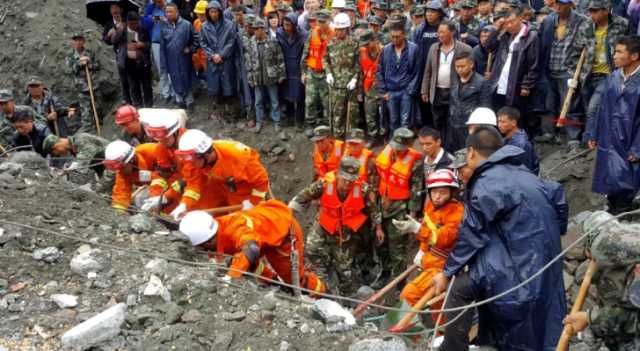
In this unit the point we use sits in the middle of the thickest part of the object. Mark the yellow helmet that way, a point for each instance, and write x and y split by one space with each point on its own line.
201 7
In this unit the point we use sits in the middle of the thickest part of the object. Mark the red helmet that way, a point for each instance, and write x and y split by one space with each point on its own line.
442 178
126 114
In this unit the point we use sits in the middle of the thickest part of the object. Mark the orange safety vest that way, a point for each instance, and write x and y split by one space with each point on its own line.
323 166
364 163
363 7
369 68
317 49
199 58
335 213
395 178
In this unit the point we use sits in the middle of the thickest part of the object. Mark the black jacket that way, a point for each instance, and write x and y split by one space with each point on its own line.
120 42
35 138
467 97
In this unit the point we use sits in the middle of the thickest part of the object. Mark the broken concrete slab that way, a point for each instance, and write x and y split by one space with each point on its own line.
99 328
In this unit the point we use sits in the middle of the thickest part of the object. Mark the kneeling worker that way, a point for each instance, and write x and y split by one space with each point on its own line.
267 230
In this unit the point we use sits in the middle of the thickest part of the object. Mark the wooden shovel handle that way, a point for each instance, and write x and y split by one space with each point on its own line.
375 297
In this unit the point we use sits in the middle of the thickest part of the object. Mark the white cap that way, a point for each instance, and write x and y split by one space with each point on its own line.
119 151
196 140
482 115
342 20
338 4
199 227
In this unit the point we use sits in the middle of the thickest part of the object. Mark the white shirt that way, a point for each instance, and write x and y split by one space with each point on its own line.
503 81
444 69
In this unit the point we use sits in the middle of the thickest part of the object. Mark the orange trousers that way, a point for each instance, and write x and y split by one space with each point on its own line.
416 289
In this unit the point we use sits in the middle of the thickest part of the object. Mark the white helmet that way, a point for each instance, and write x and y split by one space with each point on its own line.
117 154
338 4
341 21
482 115
199 227
161 125
194 140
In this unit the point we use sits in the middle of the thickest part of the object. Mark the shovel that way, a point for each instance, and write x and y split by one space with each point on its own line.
375 297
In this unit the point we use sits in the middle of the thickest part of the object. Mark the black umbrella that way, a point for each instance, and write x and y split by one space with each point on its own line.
98 10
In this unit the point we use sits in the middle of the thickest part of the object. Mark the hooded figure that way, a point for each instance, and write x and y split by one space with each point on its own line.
292 47
219 40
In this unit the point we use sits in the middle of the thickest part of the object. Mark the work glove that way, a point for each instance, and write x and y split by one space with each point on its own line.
418 259
352 84
329 78
178 212
153 203
246 205
295 205
226 279
409 225
572 83
73 166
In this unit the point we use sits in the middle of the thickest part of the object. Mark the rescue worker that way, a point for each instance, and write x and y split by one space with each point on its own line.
313 72
327 151
268 231
166 185
128 118
482 116
399 169
218 173
342 66
355 147
347 213
133 167
437 233
87 151
369 56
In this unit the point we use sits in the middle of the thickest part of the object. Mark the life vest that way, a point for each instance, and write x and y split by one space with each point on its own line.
317 49
323 166
363 7
364 163
335 213
395 178
369 68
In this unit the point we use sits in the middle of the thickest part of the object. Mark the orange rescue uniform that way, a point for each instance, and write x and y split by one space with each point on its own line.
237 175
437 237
199 58
167 178
269 226
395 173
369 68
141 175
331 163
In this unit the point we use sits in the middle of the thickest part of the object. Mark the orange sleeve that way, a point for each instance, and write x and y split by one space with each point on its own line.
448 233
239 264
121 193
194 178
257 175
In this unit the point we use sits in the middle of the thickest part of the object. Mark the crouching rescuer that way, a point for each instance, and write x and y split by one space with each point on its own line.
266 233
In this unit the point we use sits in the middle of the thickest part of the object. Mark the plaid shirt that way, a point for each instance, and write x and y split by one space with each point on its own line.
561 49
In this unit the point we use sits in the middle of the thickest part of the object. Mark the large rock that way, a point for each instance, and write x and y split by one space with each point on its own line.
89 261
95 330
48 254
389 343
141 223
333 315
29 159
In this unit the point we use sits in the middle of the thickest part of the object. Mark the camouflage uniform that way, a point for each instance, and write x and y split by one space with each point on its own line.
394 253
474 25
80 77
316 88
616 248
347 254
245 40
371 98
341 59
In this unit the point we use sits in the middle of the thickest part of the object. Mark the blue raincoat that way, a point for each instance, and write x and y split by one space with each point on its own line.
529 158
511 228
174 39
292 88
220 38
616 128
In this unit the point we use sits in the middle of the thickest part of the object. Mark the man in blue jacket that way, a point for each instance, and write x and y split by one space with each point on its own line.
508 120
511 229
153 17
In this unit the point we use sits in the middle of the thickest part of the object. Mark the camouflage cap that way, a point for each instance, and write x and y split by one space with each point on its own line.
460 159
435 5
456 6
375 20
362 23
356 135
397 6
6 95
500 14
366 36
598 4
284 8
402 139
469 3
34 80
323 15
349 169
257 23
397 20
77 35
49 142
381 5
249 19
418 10
349 6
320 133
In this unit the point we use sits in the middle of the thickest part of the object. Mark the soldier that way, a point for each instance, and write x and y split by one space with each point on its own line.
468 25
347 212
356 149
616 317
369 56
8 109
376 23
87 152
399 169
79 58
313 71
44 103
327 151
342 66
265 70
